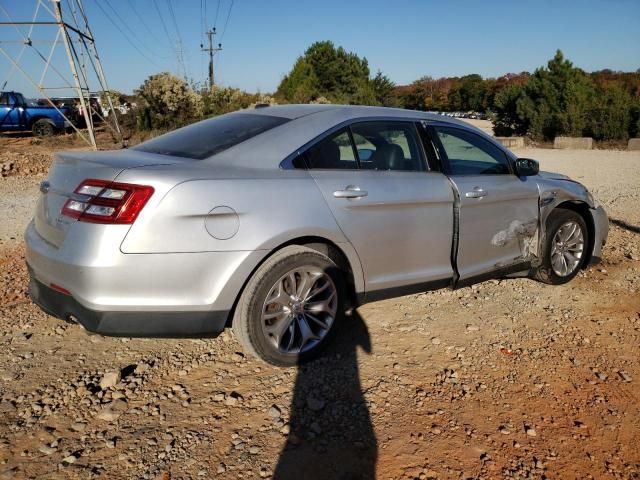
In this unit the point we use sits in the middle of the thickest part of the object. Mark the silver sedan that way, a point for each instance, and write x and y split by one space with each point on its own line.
274 221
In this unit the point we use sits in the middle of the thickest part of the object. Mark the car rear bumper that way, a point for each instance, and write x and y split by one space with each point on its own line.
112 293
126 324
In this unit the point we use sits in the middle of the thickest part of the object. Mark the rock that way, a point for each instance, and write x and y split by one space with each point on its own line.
78 426
530 431
141 368
315 404
108 414
436 341
237 357
109 379
625 376
47 450
233 399
274 412
472 328
7 407
70 459
254 450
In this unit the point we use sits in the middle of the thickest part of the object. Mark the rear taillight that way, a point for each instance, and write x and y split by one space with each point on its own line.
100 201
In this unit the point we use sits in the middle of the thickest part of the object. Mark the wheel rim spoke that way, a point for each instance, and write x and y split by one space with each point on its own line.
299 310
566 249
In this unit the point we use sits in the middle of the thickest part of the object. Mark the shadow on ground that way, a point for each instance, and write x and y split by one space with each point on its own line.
331 433
625 225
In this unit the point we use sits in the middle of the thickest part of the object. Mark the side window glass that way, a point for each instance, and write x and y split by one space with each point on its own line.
4 99
470 154
333 152
299 162
388 146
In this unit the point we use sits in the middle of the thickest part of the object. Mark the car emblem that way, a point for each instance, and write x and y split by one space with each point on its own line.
45 186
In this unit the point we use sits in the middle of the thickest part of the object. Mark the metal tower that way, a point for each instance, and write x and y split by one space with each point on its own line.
65 21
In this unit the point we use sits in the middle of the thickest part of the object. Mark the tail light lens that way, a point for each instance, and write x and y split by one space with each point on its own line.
100 201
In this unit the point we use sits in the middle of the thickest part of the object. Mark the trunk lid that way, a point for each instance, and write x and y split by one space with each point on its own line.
68 170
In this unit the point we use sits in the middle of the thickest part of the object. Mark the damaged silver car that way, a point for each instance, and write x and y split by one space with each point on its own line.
273 221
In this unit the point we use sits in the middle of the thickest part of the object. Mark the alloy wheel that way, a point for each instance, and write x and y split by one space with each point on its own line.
299 310
567 247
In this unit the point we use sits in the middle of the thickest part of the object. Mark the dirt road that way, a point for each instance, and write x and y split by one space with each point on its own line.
506 379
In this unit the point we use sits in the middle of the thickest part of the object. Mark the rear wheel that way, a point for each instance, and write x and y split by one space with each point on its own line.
565 247
288 311
43 128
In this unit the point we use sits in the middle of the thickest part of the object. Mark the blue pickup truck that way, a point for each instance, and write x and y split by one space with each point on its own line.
16 115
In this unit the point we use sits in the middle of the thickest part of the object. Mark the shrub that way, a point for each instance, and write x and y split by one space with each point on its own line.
168 103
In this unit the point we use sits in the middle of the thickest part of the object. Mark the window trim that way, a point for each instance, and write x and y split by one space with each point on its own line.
444 158
287 163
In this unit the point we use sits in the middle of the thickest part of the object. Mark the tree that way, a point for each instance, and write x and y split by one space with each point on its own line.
332 73
610 115
383 89
507 120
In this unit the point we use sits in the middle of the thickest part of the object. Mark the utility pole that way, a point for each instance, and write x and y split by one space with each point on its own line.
212 51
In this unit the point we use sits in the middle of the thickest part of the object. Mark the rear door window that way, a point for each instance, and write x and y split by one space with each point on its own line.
333 152
209 137
388 145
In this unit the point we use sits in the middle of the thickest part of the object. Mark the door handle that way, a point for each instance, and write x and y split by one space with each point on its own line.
350 191
476 193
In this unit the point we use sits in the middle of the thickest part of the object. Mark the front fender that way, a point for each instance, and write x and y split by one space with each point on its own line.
559 191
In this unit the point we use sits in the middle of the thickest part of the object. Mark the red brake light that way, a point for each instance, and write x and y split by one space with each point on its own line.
100 201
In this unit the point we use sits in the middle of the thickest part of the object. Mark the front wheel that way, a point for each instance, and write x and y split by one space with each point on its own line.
289 309
564 248
43 128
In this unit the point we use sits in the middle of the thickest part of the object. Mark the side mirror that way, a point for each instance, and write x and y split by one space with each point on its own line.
526 167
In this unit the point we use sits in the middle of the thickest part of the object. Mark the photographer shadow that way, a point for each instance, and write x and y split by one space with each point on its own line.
331 434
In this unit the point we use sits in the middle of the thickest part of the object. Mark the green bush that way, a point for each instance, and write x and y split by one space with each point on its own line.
167 102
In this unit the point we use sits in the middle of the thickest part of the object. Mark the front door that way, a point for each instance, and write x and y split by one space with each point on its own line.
397 214
498 211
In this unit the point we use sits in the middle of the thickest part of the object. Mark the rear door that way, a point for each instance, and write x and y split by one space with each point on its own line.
8 112
498 211
396 213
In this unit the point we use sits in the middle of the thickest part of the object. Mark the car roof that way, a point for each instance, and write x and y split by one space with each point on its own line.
348 112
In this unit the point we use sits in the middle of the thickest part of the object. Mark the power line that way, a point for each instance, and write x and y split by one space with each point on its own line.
124 34
179 47
215 20
134 35
164 25
146 26
224 30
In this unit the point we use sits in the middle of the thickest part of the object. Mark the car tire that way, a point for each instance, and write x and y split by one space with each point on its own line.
43 128
280 313
565 247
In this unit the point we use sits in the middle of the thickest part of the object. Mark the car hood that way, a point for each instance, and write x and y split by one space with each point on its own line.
554 176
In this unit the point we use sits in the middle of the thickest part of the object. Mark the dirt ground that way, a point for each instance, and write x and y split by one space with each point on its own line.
505 379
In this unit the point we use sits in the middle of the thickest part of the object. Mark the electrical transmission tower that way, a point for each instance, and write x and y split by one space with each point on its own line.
212 51
66 21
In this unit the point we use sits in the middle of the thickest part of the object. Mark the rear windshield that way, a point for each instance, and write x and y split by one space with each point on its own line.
206 138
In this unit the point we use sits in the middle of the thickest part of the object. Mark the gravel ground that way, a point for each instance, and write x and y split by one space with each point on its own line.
505 379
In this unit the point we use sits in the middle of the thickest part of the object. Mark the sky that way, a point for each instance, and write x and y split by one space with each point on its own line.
261 39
